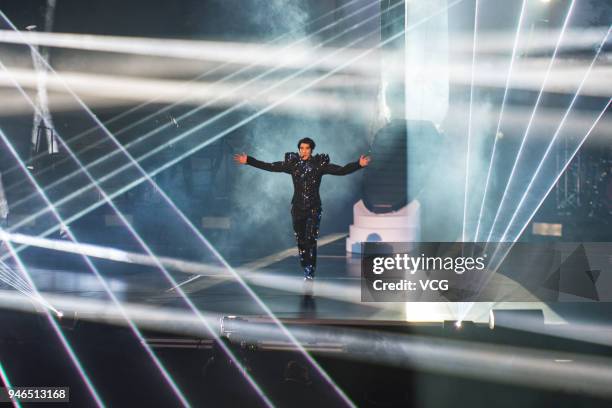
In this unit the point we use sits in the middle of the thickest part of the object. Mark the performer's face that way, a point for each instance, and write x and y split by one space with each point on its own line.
305 151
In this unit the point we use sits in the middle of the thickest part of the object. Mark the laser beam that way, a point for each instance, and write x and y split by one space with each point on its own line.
180 215
557 132
469 136
533 113
65 344
263 55
137 237
198 127
163 371
501 113
198 77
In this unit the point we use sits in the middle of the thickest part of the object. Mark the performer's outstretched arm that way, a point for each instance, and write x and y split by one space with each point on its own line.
280 166
336 170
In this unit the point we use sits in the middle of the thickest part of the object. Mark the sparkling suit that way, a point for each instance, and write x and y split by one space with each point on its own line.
306 202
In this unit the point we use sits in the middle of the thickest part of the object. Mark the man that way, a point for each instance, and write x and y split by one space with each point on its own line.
306 171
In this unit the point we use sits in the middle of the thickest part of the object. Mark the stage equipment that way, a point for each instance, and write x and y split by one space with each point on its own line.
585 188
402 153
68 321
515 318
385 179
45 140
414 97
452 326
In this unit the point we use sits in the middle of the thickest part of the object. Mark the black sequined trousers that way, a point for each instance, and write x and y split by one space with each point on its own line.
306 227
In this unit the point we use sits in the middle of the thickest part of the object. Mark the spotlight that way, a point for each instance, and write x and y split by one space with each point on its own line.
457 325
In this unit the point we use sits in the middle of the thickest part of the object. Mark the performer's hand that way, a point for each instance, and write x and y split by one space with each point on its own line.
364 160
240 158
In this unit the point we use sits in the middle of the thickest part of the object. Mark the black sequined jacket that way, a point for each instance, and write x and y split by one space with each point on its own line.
306 175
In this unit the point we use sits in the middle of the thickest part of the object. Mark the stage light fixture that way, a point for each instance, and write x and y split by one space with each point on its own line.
508 318
458 325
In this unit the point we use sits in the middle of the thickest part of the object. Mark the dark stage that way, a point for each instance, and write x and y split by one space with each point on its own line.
287 203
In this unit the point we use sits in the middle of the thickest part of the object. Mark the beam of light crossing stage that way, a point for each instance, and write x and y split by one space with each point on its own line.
316 103
541 200
469 135
11 279
551 143
206 242
18 283
586 332
556 134
350 15
533 113
158 364
15 280
58 331
219 51
541 41
521 202
13 276
498 212
269 107
253 295
503 364
366 52
133 184
185 85
66 176
107 253
321 78
7 383
494 43
516 236
197 269
354 59
79 191
501 114
165 272
218 98
155 318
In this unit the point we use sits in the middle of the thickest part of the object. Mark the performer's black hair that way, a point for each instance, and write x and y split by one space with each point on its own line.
308 141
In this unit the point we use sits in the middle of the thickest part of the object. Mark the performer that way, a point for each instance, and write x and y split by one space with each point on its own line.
306 171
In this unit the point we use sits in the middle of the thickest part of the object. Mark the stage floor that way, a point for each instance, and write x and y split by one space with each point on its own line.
276 279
